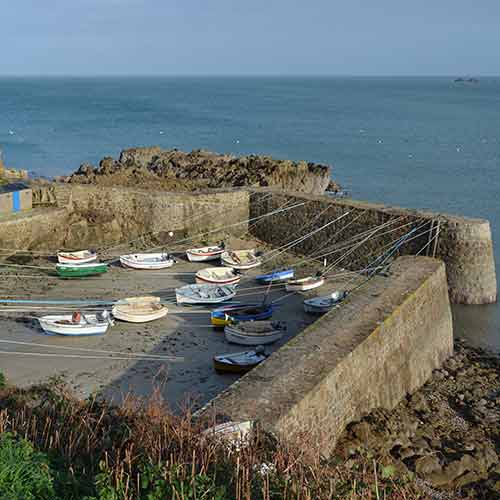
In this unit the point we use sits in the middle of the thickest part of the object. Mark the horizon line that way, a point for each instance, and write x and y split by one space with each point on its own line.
243 75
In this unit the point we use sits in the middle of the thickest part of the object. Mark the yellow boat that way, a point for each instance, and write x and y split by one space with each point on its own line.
225 315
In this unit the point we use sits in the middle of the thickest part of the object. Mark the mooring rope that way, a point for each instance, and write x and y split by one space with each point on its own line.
76 356
98 351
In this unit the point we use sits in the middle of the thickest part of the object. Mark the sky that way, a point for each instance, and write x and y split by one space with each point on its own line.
256 37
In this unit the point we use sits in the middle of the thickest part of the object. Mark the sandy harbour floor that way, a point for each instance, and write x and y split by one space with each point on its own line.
184 333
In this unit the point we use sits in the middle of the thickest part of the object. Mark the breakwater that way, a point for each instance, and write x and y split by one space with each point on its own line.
369 353
463 243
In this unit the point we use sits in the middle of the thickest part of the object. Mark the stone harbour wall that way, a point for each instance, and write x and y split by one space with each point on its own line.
98 216
379 345
463 243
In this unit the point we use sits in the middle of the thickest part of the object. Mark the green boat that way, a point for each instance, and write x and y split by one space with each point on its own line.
81 270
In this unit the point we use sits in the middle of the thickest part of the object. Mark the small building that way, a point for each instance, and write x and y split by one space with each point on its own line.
15 197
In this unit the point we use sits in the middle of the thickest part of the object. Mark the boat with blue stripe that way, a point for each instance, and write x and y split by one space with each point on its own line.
223 316
275 276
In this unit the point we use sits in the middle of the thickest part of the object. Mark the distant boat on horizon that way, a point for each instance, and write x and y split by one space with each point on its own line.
466 80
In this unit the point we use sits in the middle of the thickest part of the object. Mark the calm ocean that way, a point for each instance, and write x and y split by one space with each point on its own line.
415 142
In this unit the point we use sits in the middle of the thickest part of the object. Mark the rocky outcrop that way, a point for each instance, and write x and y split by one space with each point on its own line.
181 171
447 433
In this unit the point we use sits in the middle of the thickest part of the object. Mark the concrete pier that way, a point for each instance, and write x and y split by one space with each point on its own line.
381 344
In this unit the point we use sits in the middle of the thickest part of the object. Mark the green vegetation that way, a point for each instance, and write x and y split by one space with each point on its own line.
89 450
24 473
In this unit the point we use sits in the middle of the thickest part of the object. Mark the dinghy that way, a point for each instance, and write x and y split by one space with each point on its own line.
205 253
80 270
321 305
254 332
76 324
240 259
139 309
234 433
304 284
239 362
80 257
218 276
150 261
204 294
275 276
240 312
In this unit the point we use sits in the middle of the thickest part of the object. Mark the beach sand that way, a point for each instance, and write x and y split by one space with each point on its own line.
185 333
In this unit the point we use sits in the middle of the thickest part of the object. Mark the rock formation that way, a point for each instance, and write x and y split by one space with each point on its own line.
181 171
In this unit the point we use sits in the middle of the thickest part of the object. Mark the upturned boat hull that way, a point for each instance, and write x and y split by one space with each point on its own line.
139 309
80 271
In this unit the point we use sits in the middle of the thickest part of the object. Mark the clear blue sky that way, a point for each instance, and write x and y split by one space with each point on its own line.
355 37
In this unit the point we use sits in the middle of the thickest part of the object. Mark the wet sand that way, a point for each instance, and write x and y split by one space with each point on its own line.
185 333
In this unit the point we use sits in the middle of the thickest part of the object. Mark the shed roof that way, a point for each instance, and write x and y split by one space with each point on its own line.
12 187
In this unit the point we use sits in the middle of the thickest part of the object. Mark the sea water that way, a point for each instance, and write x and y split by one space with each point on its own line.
416 142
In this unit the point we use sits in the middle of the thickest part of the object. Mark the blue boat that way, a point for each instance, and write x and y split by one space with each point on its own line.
282 275
241 312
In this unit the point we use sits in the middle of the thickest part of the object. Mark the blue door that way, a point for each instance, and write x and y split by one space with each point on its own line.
16 201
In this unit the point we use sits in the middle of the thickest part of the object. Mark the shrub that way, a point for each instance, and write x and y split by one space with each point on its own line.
24 473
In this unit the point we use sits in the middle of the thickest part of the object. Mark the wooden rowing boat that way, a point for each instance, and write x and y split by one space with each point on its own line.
276 276
233 433
139 309
321 305
79 257
76 324
254 332
304 284
239 362
148 261
240 259
204 294
204 254
224 315
81 270
218 276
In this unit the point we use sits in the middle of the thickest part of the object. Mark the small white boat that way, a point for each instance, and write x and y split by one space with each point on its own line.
321 305
204 253
76 324
80 257
239 362
218 276
230 431
204 294
139 309
148 261
254 332
240 259
304 284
